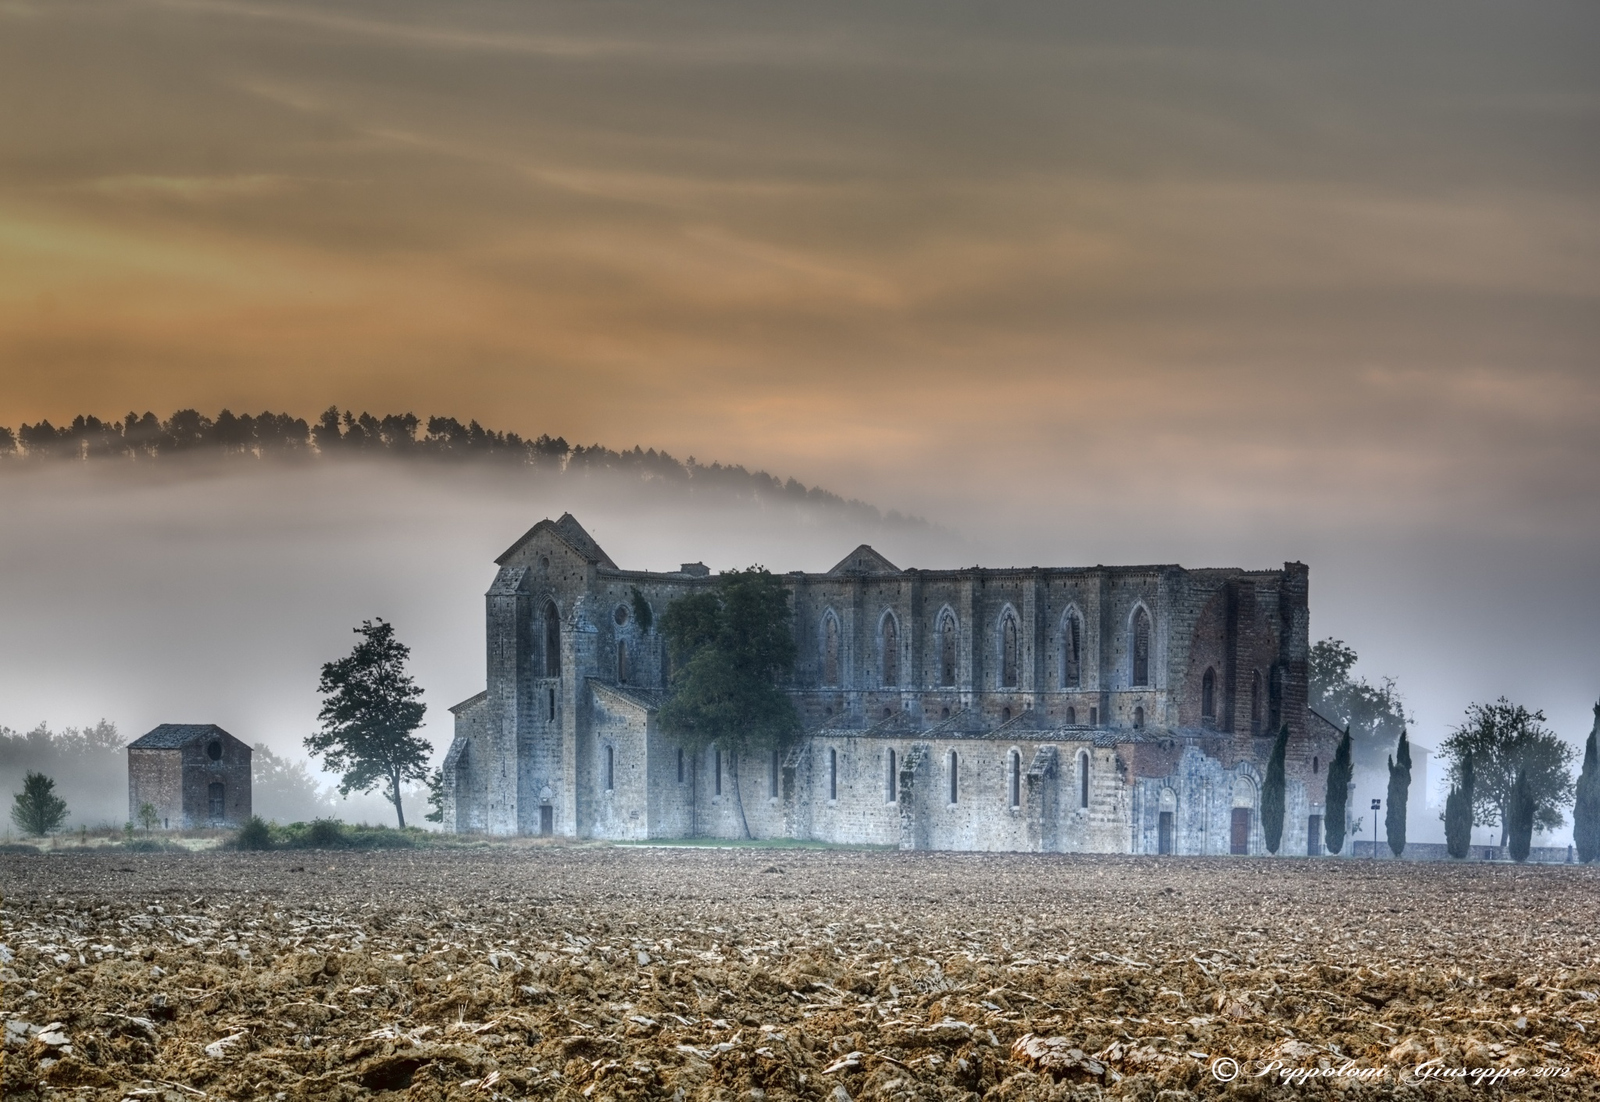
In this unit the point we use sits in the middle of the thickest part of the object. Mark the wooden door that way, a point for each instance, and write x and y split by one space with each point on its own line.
1240 842
1164 833
547 820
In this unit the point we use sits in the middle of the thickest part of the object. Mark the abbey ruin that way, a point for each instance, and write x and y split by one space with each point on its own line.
1062 709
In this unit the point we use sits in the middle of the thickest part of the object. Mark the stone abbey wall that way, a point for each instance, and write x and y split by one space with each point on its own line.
1168 682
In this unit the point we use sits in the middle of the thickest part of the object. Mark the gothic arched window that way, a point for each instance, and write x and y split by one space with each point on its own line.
830 650
1072 652
1208 695
1141 648
1015 785
891 651
947 649
1008 651
552 640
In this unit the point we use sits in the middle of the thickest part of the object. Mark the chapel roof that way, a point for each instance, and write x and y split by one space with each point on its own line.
864 560
175 736
569 532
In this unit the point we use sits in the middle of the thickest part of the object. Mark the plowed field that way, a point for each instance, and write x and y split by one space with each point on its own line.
568 972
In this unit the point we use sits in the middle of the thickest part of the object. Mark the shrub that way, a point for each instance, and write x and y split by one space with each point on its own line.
324 834
254 835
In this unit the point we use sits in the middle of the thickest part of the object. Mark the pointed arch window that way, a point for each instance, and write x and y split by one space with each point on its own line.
891 651
1015 779
947 650
954 787
830 650
1072 652
1141 648
552 640
891 779
833 774
1008 651
611 769
1208 696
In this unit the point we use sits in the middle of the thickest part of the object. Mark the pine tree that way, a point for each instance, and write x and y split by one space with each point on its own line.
1586 812
38 809
1394 820
1337 804
1521 817
1272 792
1458 812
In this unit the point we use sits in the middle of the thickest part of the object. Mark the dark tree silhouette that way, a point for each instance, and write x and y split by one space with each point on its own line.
1458 811
1586 809
1337 803
370 712
1394 819
1272 792
1521 814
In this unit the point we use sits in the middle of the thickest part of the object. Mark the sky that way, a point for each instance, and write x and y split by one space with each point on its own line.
1228 284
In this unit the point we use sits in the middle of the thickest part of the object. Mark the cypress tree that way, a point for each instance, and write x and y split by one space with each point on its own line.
1394 820
1272 793
1586 812
1458 812
1338 797
1521 815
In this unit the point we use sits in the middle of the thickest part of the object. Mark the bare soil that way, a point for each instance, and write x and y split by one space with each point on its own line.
589 972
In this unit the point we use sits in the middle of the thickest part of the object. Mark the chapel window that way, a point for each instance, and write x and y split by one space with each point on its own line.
716 771
833 774
891 779
954 763
1083 778
1016 779
947 650
1138 716
830 650
1072 652
611 769
891 651
1255 702
1141 647
1008 651
1072 716
552 640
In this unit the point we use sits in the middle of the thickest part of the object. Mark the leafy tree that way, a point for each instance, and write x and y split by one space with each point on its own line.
1458 812
731 646
370 712
1586 809
38 809
1521 814
1272 792
283 790
1374 714
148 816
1505 738
435 797
1394 819
1337 804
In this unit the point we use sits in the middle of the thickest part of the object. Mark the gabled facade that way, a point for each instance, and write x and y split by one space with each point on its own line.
1103 709
193 774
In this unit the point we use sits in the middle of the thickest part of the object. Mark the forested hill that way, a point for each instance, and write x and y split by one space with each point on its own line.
402 436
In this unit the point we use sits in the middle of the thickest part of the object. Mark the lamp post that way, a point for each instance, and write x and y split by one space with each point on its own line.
1376 804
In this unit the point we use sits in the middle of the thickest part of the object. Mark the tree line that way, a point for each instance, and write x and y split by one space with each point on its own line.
145 437
1506 769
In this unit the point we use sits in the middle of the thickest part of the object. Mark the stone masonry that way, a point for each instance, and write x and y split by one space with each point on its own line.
1099 709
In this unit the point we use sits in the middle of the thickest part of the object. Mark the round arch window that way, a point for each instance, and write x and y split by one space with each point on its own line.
214 749
620 616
